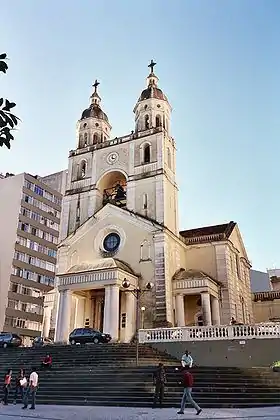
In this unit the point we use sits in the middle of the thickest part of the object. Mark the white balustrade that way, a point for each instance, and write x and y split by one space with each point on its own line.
191 284
221 332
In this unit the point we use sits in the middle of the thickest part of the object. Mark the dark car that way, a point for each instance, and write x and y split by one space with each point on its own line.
10 340
42 342
88 335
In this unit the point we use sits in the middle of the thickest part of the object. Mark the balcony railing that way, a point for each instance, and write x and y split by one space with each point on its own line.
115 195
221 332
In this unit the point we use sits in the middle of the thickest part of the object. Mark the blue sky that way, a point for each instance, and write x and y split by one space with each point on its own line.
218 63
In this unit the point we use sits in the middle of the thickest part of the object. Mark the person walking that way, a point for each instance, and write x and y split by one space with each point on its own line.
31 390
7 386
20 382
187 382
159 379
187 360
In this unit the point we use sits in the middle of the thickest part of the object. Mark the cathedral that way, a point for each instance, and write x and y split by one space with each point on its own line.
119 227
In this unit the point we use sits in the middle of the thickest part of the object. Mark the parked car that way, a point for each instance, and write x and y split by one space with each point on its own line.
41 342
88 335
10 340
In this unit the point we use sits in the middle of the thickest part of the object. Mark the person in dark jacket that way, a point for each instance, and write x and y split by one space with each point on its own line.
19 388
159 379
187 382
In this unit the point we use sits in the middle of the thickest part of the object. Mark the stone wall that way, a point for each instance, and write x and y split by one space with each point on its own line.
233 353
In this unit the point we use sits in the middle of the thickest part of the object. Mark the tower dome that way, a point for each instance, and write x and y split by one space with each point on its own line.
152 90
152 109
94 110
93 126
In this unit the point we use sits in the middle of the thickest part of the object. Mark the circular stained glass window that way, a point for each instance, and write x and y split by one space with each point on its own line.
111 242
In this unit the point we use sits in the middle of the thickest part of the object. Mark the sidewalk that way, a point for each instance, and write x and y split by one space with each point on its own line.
122 413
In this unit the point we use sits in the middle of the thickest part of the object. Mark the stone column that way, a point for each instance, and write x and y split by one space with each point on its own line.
130 309
107 313
115 312
216 311
180 310
64 313
206 308
47 321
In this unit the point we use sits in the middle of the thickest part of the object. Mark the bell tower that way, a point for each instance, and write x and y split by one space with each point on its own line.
154 183
93 130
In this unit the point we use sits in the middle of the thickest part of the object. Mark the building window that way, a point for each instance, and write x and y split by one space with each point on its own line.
33 231
83 169
86 139
145 201
14 287
38 190
168 158
147 153
237 265
95 138
158 121
111 242
147 122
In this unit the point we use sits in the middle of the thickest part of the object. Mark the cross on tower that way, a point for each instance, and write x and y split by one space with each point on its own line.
152 65
95 84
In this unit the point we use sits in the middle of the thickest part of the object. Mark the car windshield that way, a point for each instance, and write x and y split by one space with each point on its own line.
4 336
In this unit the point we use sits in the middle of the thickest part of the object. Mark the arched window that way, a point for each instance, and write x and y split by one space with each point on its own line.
95 138
83 168
168 158
147 122
85 139
81 141
158 121
147 153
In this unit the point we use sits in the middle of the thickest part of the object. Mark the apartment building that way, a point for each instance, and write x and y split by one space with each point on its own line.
29 228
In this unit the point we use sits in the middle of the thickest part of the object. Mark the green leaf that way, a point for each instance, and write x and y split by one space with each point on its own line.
3 56
14 118
1 101
3 66
9 121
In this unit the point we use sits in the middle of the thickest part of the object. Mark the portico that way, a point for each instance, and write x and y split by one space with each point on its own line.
196 298
91 295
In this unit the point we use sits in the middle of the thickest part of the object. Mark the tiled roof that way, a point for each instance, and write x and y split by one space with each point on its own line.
208 233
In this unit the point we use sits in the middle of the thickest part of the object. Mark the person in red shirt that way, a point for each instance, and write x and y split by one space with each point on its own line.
7 386
47 362
187 382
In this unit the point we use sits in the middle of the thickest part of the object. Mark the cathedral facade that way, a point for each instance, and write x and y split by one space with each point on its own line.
120 222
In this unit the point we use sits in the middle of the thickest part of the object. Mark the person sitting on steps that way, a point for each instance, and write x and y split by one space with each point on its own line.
47 362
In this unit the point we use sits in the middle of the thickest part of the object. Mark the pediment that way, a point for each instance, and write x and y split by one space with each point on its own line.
236 239
114 212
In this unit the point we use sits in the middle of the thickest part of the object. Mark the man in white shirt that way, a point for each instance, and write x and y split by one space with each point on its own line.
33 385
187 360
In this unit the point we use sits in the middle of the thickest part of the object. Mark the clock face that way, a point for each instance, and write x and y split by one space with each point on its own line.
112 158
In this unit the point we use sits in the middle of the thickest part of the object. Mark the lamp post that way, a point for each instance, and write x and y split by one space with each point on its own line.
142 316
137 293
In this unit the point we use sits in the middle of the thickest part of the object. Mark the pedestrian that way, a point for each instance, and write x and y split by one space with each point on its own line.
31 390
159 379
7 386
187 382
20 380
47 362
187 359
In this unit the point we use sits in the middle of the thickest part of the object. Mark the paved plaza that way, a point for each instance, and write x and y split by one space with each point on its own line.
49 412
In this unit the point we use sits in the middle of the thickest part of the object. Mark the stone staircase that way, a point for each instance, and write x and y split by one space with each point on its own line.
107 375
